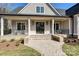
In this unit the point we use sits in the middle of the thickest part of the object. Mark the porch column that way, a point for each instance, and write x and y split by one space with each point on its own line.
70 29
2 26
52 26
28 26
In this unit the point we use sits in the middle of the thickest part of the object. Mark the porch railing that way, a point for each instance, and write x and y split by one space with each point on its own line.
62 31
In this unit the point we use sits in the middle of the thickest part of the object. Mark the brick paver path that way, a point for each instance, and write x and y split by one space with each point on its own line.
47 47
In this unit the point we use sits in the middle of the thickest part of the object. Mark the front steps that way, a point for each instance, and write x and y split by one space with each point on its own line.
40 37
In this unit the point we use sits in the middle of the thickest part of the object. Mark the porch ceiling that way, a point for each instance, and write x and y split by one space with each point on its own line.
62 19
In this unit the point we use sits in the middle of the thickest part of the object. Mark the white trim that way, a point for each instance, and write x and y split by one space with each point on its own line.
24 8
70 26
52 26
54 8
29 24
2 26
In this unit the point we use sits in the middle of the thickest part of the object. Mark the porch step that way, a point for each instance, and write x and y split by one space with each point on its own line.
40 37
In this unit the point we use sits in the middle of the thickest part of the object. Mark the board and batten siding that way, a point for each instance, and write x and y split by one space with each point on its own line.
31 9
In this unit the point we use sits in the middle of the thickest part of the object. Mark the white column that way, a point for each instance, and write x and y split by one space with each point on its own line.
70 28
29 27
52 26
2 26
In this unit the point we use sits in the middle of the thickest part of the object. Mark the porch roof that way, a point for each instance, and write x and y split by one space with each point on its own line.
33 15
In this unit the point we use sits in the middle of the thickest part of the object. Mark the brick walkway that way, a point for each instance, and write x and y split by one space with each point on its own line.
47 47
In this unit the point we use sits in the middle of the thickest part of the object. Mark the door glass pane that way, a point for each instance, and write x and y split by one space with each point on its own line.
18 26
57 26
40 27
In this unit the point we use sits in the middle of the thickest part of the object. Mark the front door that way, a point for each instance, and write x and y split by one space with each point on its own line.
40 27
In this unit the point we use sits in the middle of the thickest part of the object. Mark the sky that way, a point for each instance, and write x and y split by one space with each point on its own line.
63 5
56 5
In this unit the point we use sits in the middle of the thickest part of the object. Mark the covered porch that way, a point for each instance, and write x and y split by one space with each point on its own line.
36 25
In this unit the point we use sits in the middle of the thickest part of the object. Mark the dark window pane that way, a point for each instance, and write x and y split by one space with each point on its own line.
39 27
42 9
18 26
57 26
38 9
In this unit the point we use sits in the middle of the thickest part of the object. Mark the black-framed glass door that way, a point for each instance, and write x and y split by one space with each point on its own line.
40 27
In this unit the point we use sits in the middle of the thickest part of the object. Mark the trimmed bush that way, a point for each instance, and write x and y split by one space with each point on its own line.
66 40
21 40
12 40
3 40
17 44
56 38
8 45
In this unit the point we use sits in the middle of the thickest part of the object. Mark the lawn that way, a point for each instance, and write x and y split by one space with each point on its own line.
16 49
20 51
71 50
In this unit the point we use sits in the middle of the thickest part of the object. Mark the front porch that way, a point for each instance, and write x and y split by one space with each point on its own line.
32 25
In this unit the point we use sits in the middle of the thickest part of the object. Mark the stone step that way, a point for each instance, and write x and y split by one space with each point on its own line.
40 37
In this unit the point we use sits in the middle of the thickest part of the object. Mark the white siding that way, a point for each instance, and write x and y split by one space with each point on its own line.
31 9
75 25
33 27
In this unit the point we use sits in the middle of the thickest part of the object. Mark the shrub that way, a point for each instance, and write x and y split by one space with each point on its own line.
12 40
8 45
21 41
3 40
17 44
66 40
56 38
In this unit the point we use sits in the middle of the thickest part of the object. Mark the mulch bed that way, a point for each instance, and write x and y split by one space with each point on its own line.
9 45
71 41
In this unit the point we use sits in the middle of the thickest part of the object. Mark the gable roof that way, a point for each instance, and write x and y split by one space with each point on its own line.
62 12
73 10
49 5
16 10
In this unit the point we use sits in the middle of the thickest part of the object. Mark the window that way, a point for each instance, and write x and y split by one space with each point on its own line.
40 9
56 26
20 26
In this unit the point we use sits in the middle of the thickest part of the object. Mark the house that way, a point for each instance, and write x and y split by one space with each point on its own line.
36 19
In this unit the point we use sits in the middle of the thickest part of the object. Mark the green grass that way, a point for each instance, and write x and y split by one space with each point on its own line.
71 50
20 51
